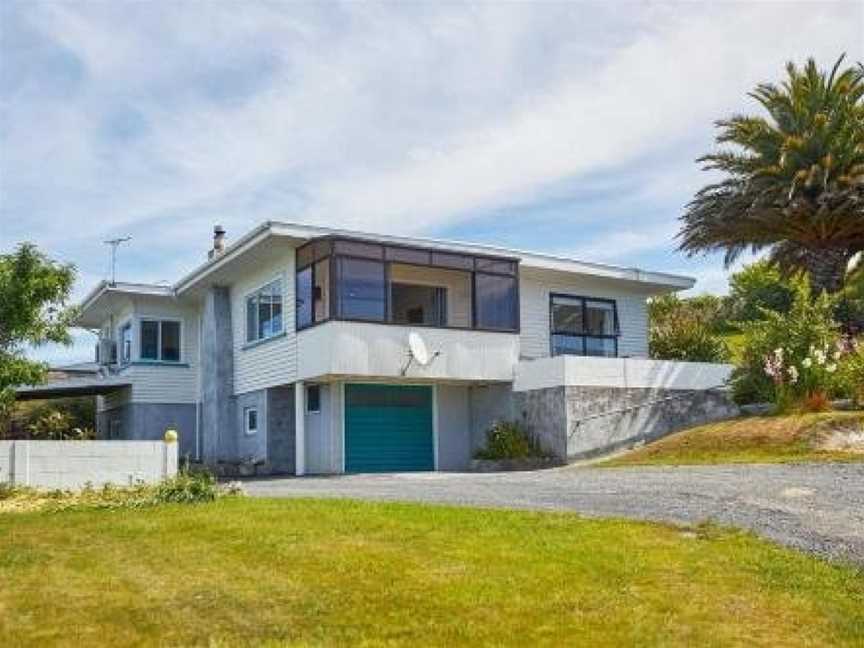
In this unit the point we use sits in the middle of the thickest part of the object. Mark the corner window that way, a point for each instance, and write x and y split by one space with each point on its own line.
126 344
250 420
160 340
264 312
361 289
583 326
313 399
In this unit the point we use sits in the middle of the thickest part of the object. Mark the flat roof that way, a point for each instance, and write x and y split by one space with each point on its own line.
94 386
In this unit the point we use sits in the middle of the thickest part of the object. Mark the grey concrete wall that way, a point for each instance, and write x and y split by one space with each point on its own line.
489 403
250 447
280 429
73 464
149 421
218 420
544 415
454 427
668 411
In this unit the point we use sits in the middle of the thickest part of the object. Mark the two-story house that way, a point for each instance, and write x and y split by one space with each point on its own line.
296 348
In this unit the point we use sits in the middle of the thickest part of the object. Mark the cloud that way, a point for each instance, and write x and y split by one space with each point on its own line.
159 119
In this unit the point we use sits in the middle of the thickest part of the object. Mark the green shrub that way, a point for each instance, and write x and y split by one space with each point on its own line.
851 373
187 488
509 440
790 358
687 329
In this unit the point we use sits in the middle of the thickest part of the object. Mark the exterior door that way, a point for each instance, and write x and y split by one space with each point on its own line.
388 428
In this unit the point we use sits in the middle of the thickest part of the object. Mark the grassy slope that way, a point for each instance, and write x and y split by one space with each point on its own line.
771 439
243 572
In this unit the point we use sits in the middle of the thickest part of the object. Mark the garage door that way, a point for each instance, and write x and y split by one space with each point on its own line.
388 428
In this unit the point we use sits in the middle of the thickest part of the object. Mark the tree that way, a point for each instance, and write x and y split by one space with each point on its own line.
756 287
793 183
34 291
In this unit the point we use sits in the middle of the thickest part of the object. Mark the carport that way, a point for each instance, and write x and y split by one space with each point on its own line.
71 387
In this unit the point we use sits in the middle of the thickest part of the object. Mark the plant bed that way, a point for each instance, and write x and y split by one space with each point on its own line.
523 463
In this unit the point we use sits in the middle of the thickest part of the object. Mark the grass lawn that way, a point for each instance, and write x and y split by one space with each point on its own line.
311 572
757 439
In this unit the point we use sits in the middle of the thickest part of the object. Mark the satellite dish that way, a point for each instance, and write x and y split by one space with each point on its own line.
418 349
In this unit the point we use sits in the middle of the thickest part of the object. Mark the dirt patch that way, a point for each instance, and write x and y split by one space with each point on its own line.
843 439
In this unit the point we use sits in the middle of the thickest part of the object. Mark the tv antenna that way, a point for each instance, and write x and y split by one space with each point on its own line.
115 243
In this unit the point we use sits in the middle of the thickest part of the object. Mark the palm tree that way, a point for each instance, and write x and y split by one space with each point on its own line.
793 182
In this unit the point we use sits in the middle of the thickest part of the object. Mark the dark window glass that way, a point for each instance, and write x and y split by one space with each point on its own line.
170 341
408 255
359 249
496 303
495 265
304 298
445 260
149 340
251 420
361 289
568 345
601 346
313 398
415 304
251 318
567 315
599 317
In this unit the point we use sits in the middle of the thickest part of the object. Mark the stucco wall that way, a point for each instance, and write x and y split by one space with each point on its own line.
454 427
280 429
149 421
72 464
488 403
251 447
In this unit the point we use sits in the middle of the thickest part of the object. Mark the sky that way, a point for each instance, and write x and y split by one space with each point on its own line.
568 128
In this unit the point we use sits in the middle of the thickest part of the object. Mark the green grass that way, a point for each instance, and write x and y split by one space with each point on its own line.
757 439
306 572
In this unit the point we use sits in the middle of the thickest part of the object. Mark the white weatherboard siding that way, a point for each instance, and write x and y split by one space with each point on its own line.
624 373
380 350
535 288
272 362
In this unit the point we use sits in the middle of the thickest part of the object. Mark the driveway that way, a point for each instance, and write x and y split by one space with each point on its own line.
813 507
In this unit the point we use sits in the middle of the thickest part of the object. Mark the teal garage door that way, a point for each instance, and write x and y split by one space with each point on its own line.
388 428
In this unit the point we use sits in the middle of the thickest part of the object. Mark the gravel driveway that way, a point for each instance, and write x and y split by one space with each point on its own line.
814 507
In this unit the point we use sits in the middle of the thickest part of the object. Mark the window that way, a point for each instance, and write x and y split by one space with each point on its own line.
583 326
126 343
361 289
264 312
313 399
362 280
415 304
160 340
496 305
250 419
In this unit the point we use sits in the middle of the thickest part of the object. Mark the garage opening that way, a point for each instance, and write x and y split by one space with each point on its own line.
388 428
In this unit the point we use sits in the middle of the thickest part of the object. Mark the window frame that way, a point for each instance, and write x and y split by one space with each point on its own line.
309 409
247 416
280 278
326 248
159 319
584 334
122 359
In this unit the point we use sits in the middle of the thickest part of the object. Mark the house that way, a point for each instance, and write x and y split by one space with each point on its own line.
300 349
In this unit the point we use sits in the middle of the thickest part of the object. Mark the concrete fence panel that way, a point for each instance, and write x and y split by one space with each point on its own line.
72 464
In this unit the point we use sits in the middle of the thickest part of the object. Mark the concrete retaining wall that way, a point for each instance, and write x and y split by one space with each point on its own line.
72 464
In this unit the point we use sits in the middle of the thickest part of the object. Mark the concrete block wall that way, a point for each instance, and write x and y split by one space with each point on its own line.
72 464
149 421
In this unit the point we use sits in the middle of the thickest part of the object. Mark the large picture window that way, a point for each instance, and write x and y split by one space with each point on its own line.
583 326
372 281
264 312
160 340
361 289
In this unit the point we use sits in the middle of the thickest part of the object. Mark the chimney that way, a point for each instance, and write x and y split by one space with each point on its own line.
218 242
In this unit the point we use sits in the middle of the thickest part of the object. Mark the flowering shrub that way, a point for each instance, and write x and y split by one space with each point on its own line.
792 358
851 374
